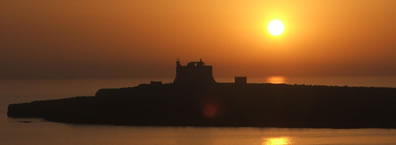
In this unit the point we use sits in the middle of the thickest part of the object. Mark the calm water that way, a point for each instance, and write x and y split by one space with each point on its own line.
13 132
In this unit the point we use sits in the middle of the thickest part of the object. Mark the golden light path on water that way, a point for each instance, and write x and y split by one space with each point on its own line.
276 79
277 141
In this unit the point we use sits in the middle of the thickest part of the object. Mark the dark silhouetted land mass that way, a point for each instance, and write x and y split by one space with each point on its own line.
196 99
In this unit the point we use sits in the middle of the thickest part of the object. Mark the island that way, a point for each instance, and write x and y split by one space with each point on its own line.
194 98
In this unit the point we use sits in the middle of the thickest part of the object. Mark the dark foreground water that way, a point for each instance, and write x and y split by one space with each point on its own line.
16 132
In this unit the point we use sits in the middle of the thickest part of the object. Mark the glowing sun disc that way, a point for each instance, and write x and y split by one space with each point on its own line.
276 27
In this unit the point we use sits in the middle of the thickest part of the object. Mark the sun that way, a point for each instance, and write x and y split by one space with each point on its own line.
276 27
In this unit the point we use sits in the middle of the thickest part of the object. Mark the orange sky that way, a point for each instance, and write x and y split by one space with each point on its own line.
43 39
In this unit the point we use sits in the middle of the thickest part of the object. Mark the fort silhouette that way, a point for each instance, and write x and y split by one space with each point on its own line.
196 99
196 73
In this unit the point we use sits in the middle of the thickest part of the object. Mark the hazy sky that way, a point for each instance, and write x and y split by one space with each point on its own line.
66 39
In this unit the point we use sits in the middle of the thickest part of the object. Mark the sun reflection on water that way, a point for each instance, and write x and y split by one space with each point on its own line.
276 79
277 141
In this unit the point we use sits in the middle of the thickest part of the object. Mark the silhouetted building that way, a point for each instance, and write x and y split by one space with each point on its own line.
240 80
194 73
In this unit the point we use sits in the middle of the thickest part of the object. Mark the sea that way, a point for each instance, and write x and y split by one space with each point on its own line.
40 132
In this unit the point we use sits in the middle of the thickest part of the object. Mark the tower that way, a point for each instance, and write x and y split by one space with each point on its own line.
194 73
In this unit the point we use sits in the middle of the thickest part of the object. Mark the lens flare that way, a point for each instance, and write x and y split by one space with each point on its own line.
210 109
